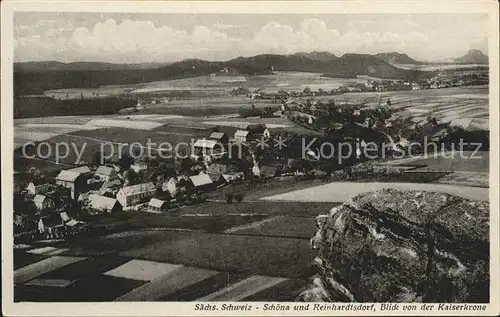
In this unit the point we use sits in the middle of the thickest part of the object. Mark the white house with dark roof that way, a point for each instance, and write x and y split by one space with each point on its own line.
135 194
207 148
74 181
201 182
103 203
83 170
157 204
41 189
220 137
105 172
241 135
43 202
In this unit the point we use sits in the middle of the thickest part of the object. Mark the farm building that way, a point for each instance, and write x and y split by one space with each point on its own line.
135 194
83 170
111 186
43 202
105 172
69 222
74 181
220 137
41 189
52 225
207 148
103 203
157 204
202 182
241 136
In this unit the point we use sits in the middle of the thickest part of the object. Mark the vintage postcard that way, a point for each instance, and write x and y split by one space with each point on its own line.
248 158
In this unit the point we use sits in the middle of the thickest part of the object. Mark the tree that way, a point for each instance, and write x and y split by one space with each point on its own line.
131 177
125 162
183 165
97 158
35 175
307 91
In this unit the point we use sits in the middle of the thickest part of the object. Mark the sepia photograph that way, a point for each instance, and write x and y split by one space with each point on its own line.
252 162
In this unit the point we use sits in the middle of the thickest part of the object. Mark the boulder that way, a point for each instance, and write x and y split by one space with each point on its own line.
402 246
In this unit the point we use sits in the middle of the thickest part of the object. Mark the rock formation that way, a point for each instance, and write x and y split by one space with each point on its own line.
402 246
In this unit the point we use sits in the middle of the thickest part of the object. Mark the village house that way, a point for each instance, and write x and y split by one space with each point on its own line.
70 223
135 194
105 173
51 225
111 186
104 204
74 181
201 182
43 202
242 136
220 137
157 205
41 189
82 170
208 148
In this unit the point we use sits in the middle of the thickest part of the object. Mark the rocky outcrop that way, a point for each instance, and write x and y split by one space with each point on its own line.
402 246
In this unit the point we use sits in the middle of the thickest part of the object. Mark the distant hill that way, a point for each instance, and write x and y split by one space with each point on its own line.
318 56
395 58
78 66
36 77
472 57
351 65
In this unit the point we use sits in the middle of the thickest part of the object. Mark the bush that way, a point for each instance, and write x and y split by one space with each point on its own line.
229 198
238 198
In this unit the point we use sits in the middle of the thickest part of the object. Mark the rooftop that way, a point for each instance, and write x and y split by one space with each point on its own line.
39 198
68 176
205 143
241 133
157 203
200 180
139 188
81 169
217 135
101 202
104 170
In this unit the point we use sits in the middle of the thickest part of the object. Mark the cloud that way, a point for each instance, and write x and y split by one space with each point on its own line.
142 41
220 26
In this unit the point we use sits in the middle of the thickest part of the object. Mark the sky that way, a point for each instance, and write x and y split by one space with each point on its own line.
160 37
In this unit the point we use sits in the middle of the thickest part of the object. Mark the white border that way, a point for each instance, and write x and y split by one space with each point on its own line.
264 7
